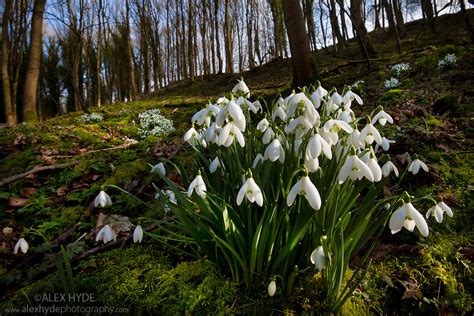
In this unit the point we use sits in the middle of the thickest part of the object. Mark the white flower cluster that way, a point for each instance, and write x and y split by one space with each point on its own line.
398 69
392 83
449 61
91 118
153 123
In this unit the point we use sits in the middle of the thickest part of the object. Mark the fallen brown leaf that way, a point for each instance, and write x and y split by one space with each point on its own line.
17 202
27 192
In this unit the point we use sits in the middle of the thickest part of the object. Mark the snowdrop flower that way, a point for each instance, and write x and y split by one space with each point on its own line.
138 234
299 126
191 136
382 117
251 191
215 163
349 96
210 134
233 111
102 199
331 129
280 113
308 189
354 168
268 135
228 134
346 116
414 167
198 186
312 164
203 117
301 101
242 88
274 151
375 168
272 287
334 102
263 125
407 216
256 106
106 234
369 134
257 159
438 210
171 196
316 145
21 244
389 167
318 258
385 144
159 168
355 139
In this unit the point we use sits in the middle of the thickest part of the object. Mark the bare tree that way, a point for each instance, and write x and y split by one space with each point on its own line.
34 61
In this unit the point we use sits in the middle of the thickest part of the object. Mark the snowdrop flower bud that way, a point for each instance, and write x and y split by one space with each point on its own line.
21 244
414 167
318 258
214 165
375 169
102 199
159 168
408 216
241 87
106 234
198 186
138 234
280 113
272 287
308 189
251 191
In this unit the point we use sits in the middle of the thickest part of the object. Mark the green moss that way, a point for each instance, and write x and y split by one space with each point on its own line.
125 172
446 104
391 96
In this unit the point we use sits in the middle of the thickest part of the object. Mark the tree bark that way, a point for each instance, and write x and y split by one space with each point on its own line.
365 44
427 8
335 24
304 71
34 62
8 102
397 10
228 40
128 42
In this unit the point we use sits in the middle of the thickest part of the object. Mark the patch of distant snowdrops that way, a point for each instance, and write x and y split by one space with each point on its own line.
153 123
392 83
91 118
295 187
449 61
398 69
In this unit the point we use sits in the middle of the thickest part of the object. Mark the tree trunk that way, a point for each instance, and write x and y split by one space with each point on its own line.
98 65
427 8
335 24
216 29
228 40
8 102
397 10
377 25
34 62
304 71
365 43
466 19
190 40
131 67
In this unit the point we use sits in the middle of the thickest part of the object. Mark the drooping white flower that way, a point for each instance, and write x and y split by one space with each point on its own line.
382 117
407 216
272 287
138 234
21 244
198 186
312 164
318 258
251 191
280 113
237 115
375 168
349 96
316 145
385 144
438 210
106 234
192 137
274 151
334 102
258 158
308 189
228 134
355 140
159 167
215 163
331 129
414 167
306 108
241 87
268 135
210 134
255 107
354 168
102 199
369 133
389 167
299 126
263 124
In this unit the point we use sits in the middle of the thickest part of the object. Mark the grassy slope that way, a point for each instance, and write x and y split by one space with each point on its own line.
427 275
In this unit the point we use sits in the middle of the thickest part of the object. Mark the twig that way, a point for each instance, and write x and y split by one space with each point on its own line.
124 146
37 169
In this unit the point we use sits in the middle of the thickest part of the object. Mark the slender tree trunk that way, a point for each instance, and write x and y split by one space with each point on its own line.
397 10
99 56
427 8
304 71
228 39
466 19
377 25
345 36
34 61
335 24
365 43
190 40
8 102
128 42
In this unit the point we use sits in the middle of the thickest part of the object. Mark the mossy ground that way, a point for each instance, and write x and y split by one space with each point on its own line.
423 276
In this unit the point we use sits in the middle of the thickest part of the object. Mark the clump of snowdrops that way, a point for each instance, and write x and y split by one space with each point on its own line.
398 69
153 123
91 118
293 189
449 61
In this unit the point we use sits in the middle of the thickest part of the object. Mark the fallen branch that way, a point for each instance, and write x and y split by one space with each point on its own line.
124 146
37 169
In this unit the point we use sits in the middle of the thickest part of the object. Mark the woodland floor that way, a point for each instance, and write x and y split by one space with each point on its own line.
433 112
